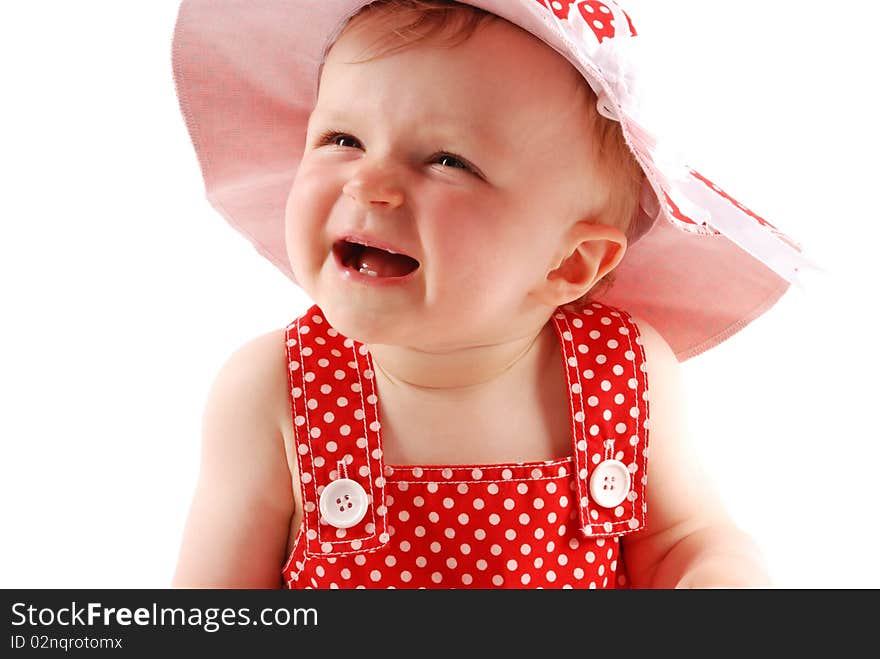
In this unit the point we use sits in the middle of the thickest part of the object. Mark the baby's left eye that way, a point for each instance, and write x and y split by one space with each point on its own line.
452 161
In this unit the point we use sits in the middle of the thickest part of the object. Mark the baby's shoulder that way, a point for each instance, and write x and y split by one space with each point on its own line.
657 350
254 376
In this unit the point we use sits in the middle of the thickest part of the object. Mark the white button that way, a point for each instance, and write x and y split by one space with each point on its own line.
343 503
609 483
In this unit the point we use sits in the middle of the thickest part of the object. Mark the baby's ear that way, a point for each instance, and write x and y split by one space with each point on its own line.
590 252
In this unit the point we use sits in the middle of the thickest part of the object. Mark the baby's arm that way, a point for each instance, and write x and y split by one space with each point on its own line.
235 536
689 541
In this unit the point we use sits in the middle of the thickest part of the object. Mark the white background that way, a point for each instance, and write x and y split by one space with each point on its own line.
123 292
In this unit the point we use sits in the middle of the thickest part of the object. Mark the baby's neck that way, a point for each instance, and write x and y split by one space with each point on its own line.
464 374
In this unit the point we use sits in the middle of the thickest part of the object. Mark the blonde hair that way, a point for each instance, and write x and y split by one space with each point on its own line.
447 23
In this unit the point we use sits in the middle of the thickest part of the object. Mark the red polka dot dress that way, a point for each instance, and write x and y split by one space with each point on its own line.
550 524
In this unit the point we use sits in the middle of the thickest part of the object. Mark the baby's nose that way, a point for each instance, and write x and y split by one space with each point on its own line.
374 185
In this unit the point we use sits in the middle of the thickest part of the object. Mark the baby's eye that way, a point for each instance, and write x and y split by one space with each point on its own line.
337 138
452 161
442 157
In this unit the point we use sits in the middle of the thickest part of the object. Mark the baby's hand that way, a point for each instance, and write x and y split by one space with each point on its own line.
725 572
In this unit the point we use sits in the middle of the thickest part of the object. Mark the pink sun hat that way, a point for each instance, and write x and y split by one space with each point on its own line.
700 266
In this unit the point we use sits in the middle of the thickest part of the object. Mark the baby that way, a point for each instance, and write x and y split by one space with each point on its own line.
461 407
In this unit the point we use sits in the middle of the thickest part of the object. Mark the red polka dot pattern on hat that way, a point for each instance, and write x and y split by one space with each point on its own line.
598 15
521 525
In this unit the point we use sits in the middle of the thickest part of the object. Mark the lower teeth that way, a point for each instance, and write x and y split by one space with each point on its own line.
366 271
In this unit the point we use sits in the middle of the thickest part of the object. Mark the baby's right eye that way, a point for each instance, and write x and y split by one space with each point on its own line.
335 137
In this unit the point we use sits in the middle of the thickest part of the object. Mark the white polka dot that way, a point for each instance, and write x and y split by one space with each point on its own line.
551 576
525 549
509 503
525 579
522 488
436 577
465 549
467 579
462 488
463 518
493 488
421 561
524 518
480 534
510 534
507 474
511 565
477 474
419 531
451 563
375 575
591 557
405 546
406 576
419 502
482 565
435 547
551 487
479 504
497 580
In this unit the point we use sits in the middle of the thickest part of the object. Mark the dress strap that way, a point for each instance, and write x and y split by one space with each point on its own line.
336 429
608 395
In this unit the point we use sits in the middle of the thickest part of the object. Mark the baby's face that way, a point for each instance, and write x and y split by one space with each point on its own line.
473 161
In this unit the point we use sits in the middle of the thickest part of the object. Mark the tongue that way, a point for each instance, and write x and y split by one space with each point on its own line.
384 264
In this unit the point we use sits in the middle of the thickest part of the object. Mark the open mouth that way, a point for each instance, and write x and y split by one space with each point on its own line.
372 261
